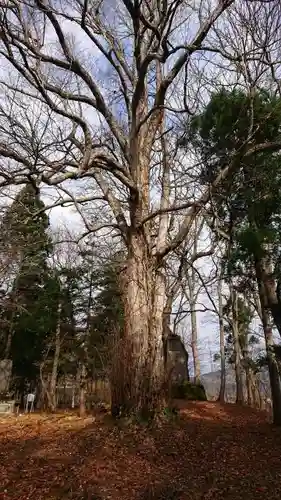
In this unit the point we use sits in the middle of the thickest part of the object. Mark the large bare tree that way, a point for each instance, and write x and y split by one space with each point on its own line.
110 79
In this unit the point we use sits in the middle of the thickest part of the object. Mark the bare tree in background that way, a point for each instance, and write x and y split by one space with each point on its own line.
221 397
193 292
111 78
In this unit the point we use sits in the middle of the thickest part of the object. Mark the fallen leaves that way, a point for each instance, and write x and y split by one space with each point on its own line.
213 452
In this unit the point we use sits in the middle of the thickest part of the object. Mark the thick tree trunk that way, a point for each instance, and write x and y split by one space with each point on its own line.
237 349
272 362
221 397
54 374
271 299
275 309
273 372
142 378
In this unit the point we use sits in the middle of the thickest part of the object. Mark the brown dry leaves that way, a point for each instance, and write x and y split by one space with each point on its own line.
214 452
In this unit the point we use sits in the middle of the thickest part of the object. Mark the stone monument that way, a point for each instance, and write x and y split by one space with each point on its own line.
177 358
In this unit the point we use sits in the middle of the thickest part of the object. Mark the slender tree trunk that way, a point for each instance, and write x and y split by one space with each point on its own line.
142 371
249 386
45 393
54 374
272 363
237 349
258 396
166 329
83 366
194 329
82 394
191 277
247 369
254 389
194 343
221 397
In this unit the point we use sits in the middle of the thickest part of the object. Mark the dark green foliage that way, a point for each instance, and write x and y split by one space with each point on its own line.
89 296
225 124
31 305
23 230
69 295
107 304
32 327
248 203
188 391
107 315
72 306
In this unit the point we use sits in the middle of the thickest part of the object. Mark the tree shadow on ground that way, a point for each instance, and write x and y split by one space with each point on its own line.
235 454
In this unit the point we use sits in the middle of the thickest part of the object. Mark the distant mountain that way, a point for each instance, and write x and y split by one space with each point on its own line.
211 382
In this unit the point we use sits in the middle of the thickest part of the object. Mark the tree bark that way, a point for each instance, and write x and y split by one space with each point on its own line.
237 349
221 397
143 377
272 362
270 296
82 395
254 392
45 393
249 385
273 371
248 370
194 344
166 329
54 374
194 330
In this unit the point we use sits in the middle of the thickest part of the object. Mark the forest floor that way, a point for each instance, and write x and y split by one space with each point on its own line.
211 452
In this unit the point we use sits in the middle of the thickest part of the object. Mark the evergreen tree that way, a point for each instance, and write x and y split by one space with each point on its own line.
248 206
31 305
107 314
70 296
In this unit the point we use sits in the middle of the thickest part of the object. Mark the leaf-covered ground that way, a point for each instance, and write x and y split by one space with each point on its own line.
213 452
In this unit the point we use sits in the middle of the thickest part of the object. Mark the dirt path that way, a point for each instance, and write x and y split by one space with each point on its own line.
214 452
